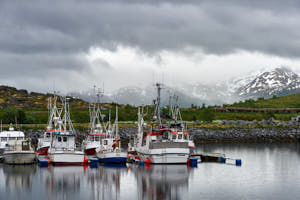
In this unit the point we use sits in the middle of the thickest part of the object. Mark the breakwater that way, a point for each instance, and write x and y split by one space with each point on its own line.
207 135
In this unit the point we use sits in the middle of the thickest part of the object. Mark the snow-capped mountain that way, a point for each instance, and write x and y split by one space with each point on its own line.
280 81
262 83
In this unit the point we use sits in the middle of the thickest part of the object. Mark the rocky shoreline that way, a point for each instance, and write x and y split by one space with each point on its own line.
207 135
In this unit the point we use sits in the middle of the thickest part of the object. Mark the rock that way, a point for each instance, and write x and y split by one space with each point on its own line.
196 123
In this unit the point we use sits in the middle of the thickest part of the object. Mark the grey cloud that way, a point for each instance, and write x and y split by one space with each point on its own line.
100 63
38 71
217 27
39 37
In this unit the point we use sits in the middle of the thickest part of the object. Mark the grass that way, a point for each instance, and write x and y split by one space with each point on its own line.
289 101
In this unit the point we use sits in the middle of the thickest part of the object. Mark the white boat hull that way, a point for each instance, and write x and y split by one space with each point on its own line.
66 157
165 156
19 157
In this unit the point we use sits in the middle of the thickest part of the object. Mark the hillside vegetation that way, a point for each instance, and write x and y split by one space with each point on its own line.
289 101
32 108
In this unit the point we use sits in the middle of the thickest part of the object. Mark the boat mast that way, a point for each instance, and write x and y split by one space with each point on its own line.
159 87
116 123
65 117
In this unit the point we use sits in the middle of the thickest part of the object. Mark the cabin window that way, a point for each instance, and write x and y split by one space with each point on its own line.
59 139
179 136
20 138
48 135
105 142
91 138
174 137
166 135
185 137
12 138
97 138
65 139
4 139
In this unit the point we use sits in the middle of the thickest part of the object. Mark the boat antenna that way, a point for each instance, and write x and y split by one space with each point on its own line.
116 123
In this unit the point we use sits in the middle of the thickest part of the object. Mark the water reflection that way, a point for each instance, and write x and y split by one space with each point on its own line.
63 180
17 178
105 182
162 181
269 171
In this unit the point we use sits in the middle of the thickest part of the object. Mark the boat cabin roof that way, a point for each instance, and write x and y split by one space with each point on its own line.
12 134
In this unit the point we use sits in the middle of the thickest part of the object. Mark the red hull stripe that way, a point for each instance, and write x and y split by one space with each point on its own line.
90 152
43 151
152 134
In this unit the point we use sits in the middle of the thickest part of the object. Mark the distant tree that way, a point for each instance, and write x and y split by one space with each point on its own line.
207 115
268 115
13 116
194 118
128 107
274 97
30 120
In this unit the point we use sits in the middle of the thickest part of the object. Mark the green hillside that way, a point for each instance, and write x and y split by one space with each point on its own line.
289 101
31 108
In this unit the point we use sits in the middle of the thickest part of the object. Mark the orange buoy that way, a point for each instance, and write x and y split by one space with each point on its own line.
147 161
85 160
48 160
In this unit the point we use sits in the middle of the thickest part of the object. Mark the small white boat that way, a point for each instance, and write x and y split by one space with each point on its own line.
111 152
19 152
44 145
10 135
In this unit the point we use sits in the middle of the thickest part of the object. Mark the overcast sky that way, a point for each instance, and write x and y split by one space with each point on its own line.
74 44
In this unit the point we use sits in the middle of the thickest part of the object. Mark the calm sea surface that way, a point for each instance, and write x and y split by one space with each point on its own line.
268 171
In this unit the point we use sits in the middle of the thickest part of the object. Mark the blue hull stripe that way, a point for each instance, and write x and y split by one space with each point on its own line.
113 160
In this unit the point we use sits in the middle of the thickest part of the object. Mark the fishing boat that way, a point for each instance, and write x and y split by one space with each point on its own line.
17 150
110 151
92 144
162 142
53 119
10 135
63 150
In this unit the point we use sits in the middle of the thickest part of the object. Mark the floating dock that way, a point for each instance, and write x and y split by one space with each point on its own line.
216 157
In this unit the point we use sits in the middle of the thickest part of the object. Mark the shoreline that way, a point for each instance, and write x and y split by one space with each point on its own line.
212 135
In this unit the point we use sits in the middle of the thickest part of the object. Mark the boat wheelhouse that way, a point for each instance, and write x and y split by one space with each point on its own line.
10 135
19 152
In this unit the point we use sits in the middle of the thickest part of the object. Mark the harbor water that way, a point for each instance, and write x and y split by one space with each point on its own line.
268 171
